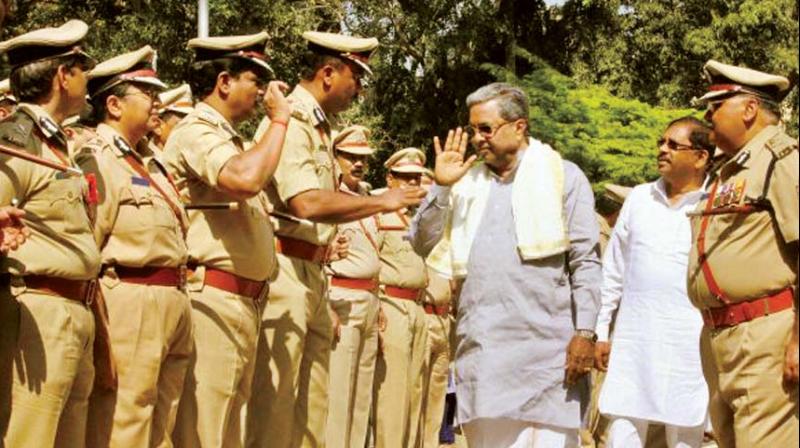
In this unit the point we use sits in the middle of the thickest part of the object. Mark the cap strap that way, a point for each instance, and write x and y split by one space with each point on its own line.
415 163
352 145
248 54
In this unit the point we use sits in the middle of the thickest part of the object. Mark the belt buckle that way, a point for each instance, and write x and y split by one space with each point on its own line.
91 290
183 277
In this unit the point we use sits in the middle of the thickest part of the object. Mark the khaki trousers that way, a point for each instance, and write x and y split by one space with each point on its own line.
437 353
150 329
399 375
290 388
53 372
352 367
217 386
743 366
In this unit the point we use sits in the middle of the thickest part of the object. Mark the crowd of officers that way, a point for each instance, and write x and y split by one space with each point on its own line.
168 283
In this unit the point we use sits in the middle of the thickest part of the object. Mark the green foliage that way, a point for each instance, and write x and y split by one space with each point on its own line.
612 139
604 76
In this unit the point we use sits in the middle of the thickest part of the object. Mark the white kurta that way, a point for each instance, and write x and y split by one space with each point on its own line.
654 371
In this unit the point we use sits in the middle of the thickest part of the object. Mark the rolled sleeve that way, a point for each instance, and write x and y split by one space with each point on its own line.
583 259
427 227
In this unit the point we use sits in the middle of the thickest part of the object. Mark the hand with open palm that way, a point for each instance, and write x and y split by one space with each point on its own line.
450 163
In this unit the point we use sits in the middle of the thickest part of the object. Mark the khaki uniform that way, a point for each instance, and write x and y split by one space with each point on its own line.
750 257
353 357
150 326
290 388
437 357
399 379
52 372
240 242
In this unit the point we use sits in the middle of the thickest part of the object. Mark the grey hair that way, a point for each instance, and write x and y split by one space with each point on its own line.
511 100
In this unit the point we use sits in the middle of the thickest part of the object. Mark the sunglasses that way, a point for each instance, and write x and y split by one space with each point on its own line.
672 145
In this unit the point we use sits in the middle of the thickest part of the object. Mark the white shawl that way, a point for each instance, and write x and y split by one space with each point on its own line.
537 201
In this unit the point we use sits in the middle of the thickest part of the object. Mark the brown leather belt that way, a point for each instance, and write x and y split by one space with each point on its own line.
233 283
303 250
151 275
403 293
439 310
737 313
366 284
79 290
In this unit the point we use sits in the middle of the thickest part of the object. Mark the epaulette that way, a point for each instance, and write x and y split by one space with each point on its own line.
215 121
17 130
300 115
781 145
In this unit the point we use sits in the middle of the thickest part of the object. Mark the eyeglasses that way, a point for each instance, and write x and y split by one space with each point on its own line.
672 145
486 131
152 95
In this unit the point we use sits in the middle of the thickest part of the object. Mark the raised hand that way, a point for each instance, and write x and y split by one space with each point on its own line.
450 163
277 106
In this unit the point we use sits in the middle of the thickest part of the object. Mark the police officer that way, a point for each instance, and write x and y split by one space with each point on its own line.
174 104
290 389
230 238
51 275
743 263
354 300
140 231
399 381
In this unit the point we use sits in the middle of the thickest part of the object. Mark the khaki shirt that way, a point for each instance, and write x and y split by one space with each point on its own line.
306 163
61 243
605 232
363 261
748 253
400 265
438 291
237 241
135 225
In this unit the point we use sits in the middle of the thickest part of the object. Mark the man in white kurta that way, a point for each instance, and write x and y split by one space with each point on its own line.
654 372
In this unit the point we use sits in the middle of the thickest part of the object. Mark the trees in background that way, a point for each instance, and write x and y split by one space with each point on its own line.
604 76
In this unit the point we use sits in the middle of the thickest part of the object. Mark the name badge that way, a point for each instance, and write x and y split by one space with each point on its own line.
140 181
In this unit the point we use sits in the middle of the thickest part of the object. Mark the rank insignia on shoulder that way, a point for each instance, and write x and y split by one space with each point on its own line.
122 145
141 181
63 175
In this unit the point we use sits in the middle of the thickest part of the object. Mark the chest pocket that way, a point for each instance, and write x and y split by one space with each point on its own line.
141 207
60 205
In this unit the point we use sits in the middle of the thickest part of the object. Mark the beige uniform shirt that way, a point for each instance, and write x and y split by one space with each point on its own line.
240 241
362 261
748 253
438 291
400 265
135 225
61 243
306 163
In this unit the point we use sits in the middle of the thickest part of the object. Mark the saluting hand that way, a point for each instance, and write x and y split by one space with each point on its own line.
277 106
450 163
12 231
580 358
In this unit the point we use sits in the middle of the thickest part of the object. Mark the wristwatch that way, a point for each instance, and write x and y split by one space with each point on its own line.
587 334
